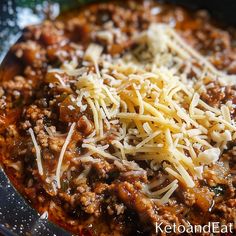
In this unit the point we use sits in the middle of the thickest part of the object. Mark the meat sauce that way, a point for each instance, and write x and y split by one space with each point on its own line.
105 202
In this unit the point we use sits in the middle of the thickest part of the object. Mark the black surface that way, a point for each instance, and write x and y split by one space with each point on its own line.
19 217
224 10
15 213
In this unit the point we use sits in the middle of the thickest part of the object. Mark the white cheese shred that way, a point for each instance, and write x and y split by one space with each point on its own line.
38 152
61 156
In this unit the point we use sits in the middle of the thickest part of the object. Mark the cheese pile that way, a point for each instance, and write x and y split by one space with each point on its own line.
158 106
149 102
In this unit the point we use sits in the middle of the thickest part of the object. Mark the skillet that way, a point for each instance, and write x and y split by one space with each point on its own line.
16 216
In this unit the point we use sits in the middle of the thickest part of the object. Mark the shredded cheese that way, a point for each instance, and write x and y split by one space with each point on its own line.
61 156
93 53
151 106
38 151
99 151
166 197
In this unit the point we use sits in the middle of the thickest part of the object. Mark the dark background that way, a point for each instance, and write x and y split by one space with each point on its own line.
15 214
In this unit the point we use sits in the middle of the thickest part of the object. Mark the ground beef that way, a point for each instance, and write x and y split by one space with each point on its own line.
217 95
97 196
128 194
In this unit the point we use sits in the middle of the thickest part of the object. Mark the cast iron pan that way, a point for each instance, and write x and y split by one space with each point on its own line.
16 216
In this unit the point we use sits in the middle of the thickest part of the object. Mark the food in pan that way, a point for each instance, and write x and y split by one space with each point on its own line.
121 116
